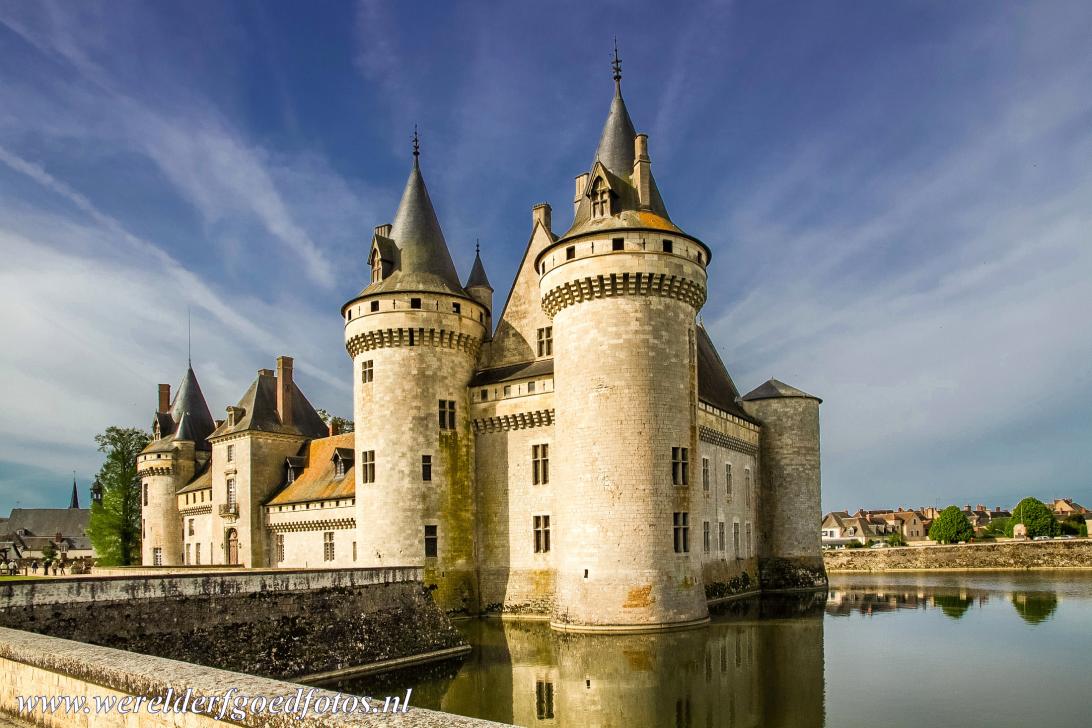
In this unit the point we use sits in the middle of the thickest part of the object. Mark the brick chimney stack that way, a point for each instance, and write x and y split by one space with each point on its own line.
542 213
284 390
332 428
164 398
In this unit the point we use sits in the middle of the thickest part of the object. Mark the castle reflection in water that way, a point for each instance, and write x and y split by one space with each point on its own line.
755 664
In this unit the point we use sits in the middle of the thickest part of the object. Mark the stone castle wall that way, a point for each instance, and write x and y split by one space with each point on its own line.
256 622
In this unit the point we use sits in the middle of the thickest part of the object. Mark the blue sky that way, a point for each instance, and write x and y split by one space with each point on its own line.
898 197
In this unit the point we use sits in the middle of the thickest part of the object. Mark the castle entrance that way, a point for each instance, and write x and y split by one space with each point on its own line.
232 546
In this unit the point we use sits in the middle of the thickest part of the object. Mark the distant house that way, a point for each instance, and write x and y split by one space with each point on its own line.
27 532
1065 507
839 528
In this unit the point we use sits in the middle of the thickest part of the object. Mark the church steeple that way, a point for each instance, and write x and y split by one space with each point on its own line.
74 502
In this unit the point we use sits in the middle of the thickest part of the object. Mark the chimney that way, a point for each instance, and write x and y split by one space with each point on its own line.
332 428
284 390
541 213
581 183
642 170
164 398
383 231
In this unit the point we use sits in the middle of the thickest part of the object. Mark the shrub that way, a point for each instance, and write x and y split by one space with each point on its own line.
895 539
951 526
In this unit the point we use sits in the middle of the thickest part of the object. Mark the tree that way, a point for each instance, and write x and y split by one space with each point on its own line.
896 539
951 526
115 520
998 527
340 423
1035 516
49 552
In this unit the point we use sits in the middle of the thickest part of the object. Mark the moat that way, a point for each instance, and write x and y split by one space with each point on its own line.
998 649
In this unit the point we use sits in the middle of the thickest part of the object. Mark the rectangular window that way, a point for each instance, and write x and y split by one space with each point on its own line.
197 554
705 474
720 535
187 561
508 390
367 466
189 527
668 246
328 546
426 468
431 542
354 550
157 556
231 453
540 464
339 467
747 484
447 414
728 481
680 466
705 536
544 700
618 244
530 387
456 308
735 540
415 303
484 395
375 306
750 543
681 522
280 548
145 493
546 341
366 372
232 494
542 534
570 252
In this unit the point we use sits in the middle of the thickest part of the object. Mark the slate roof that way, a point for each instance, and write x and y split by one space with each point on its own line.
202 481
423 260
189 418
31 528
318 480
523 370
478 278
773 389
259 405
715 385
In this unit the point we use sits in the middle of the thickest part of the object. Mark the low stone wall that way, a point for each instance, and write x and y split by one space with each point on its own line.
1076 553
37 665
274 623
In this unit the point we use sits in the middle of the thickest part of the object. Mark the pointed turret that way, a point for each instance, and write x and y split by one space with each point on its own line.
189 408
477 278
615 149
424 262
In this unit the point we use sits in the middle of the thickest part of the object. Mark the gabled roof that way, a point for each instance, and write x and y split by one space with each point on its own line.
423 261
715 385
319 481
773 389
259 405
70 522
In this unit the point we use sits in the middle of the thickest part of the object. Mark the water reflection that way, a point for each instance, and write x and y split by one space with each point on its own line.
954 602
1035 607
756 664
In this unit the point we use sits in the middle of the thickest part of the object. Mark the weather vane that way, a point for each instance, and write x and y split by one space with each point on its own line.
416 143
616 64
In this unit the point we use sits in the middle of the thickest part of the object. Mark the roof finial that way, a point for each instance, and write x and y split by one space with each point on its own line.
477 246
416 144
616 64
189 340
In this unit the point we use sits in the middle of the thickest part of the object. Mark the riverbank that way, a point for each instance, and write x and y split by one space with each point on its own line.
1006 555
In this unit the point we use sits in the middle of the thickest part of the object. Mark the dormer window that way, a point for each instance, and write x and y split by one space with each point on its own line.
600 197
343 460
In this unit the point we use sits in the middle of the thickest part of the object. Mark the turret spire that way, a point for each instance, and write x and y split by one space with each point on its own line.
616 64
416 145
75 500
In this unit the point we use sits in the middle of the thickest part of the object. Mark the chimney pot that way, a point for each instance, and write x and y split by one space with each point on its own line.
284 390
581 183
332 428
383 231
640 147
542 213
164 398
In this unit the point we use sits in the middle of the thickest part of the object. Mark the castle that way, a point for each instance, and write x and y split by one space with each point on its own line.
585 456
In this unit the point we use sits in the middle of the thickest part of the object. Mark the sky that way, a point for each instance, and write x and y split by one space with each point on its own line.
898 197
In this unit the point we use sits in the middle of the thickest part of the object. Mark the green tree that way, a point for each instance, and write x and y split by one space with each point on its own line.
951 526
49 552
342 424
1035 516
115 521
998 527
896 539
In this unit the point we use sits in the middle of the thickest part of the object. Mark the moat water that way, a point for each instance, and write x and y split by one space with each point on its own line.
971 649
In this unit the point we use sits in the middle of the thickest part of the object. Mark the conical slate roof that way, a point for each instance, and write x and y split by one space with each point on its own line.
189 408
74 502
774 389
616 142
424 262
477 278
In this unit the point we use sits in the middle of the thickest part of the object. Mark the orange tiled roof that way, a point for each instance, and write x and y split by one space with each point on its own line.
317 481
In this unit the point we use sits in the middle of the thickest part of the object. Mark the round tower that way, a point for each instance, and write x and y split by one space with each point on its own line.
414 334
788 508
623 287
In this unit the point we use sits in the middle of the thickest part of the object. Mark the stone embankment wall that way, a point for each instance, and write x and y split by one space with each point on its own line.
283 624
1002 555
37 665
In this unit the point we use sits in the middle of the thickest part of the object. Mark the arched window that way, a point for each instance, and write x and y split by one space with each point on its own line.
600 197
